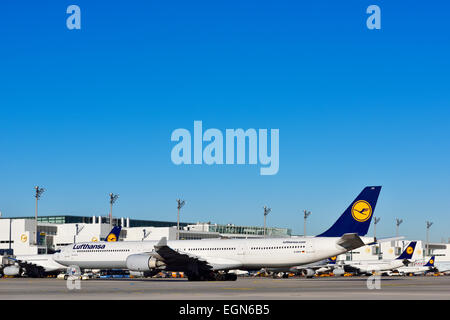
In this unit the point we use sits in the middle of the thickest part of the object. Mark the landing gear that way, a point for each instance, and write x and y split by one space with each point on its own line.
33 271
230 277
280 275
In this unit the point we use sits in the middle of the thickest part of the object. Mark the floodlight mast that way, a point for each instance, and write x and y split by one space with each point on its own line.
306 215
38 194
398 222
427 251
112 198
266 213
375 222
180 204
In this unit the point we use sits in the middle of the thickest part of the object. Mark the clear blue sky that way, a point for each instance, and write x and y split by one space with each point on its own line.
88 112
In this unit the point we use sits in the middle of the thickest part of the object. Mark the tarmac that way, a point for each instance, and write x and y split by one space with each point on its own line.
245 288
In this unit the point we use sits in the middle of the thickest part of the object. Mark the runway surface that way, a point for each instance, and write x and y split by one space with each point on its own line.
401 288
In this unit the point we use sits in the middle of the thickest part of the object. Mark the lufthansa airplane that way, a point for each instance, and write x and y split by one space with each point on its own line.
212 259
41 265
418 267
370 266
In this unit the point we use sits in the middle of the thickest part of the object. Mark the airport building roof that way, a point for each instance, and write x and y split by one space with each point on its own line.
62 219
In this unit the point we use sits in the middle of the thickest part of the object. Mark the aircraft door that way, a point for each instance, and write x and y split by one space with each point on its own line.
310 248
241 248
241 252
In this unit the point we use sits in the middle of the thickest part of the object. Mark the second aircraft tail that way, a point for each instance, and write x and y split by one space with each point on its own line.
114 234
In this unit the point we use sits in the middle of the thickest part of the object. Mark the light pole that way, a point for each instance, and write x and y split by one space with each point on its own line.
112 198
306 215
39 192
375 222
266 213
10 221
180 204
378 247
398 222
427 252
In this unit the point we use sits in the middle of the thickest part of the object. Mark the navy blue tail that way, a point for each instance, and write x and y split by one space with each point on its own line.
332 260
357 217
431 262
114 234
408 252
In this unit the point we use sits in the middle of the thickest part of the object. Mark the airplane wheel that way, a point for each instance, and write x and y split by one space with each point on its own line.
198 277
220 277
230 277
192 277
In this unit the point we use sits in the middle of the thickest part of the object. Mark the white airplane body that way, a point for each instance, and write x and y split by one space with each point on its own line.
443 266
39 265
374 266
371 266
412 270
419 267
248 254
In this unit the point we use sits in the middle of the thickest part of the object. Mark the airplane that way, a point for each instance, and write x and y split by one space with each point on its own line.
210 260
41 265
417 267
370 266
442 267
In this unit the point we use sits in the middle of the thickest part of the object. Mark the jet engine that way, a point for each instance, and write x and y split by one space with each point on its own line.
11 270
339 271
309 273
143 262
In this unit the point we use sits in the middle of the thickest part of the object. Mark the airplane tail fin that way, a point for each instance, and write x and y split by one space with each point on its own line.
114 234
332 260
357 217
408 252
431 262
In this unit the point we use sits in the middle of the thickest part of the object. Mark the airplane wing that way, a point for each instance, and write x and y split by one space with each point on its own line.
178 261
38 262
350 241
31 269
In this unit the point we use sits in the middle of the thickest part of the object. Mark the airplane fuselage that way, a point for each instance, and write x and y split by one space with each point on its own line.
248 253
374 266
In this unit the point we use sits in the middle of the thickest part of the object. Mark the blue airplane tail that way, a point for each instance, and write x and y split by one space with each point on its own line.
431 262
408 252
332 260
357 217
114 234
